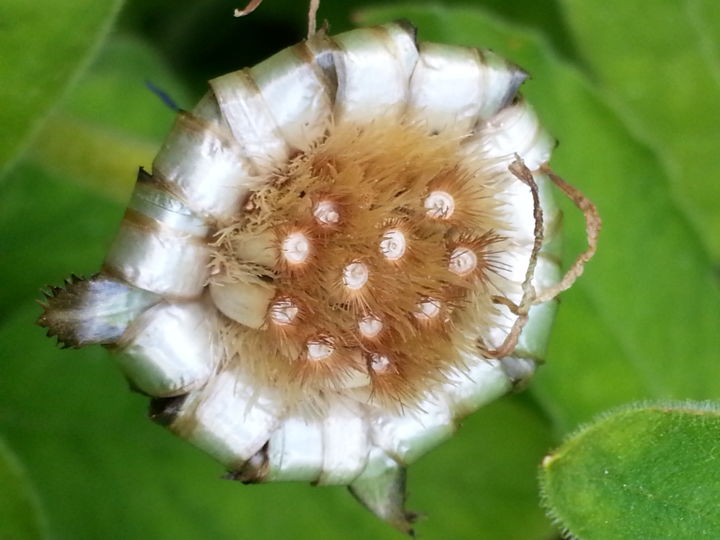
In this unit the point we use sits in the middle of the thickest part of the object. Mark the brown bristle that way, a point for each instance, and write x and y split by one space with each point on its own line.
390 382
470 205
326 362
331 211
473 257
355 239
297 248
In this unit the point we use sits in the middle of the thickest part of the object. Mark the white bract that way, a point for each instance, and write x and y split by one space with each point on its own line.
282 326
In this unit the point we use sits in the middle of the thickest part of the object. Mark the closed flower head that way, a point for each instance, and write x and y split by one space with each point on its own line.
332 261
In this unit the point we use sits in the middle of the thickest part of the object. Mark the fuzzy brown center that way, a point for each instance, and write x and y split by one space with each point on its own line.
382 242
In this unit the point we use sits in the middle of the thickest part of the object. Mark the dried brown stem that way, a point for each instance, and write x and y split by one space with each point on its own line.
249 8
593 224
312 17
522 173
252 5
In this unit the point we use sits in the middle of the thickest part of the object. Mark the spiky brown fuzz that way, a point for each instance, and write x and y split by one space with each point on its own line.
57 302
379 246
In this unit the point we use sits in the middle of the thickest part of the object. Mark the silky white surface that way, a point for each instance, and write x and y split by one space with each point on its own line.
206 165
208 109
295 452
546 274
534 338
231 421
514 130
407 436
345 443
153 200
517 259
481 382
501 80
246 303
159 261
381 488
171 349
250 120
296 96
378 464
533 341
99 309
446 87
519 202
373 70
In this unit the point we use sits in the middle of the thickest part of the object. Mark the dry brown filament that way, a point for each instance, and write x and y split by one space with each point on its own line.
312 17
593 225
251 6
522 173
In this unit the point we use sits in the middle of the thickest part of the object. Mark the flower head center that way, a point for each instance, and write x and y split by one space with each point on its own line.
406 193
283 311
355 275
296 248
326 213
370 326
428 309
440 205
393 245
319 350
462 261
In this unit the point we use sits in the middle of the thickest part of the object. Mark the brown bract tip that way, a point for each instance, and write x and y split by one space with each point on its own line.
61 307
91 311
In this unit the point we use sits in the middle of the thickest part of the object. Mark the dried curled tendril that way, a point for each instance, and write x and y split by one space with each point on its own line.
531 297
312 12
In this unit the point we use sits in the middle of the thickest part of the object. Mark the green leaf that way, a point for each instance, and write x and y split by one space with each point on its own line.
20 516
660 61
45 45
651 471
642 321
115 122
49 229
114 92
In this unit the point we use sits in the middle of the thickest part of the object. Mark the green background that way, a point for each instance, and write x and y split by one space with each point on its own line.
630 88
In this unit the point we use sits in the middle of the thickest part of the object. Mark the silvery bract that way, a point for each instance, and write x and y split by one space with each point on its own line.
318 280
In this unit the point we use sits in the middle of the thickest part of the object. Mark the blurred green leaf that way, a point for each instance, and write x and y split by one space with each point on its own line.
651 471
706 16
20 517
48 230
43 49
588 369
115 122
660 61
648 303
114 92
